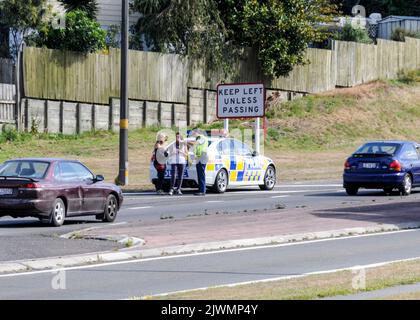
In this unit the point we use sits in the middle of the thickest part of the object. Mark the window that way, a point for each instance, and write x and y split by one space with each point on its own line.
408 152
241 149
24 169
379 148
223 147
73 171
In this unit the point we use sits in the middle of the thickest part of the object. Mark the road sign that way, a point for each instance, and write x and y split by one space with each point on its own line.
246 100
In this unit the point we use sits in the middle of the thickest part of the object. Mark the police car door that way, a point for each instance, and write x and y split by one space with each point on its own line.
249 166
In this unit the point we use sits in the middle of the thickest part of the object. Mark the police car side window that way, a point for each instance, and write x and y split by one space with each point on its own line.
241 149
224 147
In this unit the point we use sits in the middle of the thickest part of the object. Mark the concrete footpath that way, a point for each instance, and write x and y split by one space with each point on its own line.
222 231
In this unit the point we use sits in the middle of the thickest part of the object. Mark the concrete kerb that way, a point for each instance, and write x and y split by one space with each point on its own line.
136 253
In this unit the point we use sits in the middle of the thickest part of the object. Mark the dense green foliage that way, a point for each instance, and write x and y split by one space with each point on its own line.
80 34
216 30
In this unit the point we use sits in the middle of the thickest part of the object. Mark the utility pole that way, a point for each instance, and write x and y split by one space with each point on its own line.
123 171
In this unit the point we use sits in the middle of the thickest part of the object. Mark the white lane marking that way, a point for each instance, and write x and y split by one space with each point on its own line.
138 194
358 267
275 197
139 208
128 194
232 193
307 185
204 253
215 201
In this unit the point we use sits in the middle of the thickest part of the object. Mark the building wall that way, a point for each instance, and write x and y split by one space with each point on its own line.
386 28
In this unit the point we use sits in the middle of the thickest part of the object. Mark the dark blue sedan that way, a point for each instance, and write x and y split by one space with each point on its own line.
386 165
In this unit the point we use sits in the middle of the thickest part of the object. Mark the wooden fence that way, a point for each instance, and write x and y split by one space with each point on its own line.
95 78
360 63
7 103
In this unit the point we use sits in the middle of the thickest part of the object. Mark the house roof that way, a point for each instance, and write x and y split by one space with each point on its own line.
398 18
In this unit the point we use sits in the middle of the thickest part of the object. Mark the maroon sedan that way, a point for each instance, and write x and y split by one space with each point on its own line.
55 189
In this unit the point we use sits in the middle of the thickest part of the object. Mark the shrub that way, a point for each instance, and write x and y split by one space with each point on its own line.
399 34
354 34
409 77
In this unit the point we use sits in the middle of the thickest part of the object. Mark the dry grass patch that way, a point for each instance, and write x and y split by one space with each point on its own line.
312 286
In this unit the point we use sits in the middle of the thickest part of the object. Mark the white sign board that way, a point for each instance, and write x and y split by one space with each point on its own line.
240 100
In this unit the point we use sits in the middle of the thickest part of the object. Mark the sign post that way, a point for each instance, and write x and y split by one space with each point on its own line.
238 101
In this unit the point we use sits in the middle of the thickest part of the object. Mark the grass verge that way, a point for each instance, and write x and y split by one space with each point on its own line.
312 286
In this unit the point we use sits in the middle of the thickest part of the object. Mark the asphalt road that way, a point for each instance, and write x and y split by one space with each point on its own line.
160 275
28 239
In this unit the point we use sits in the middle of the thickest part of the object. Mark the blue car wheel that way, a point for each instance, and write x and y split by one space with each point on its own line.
406 186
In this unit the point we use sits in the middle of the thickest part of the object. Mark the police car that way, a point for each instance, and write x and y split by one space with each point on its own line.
230 163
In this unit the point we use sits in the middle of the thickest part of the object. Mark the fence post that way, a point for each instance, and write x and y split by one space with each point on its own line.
188 107
17 92
111 114
61 123
46 116
205 117
78 119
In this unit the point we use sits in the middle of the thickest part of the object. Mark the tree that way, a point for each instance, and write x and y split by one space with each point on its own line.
21 17
279 30
216 30
80 34
89 6
186 27
384 7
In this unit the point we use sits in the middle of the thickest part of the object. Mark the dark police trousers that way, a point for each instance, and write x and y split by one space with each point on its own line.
201 176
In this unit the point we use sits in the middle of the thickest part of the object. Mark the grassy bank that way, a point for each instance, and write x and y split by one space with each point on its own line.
308 138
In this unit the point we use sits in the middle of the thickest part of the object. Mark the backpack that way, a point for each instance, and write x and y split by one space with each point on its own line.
159 167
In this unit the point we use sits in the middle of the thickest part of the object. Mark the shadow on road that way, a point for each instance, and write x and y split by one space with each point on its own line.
13 224
362 194
390 213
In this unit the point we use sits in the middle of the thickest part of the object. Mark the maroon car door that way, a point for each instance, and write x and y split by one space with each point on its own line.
69 184
93 194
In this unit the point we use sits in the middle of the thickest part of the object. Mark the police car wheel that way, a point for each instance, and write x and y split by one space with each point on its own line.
269 179
221 182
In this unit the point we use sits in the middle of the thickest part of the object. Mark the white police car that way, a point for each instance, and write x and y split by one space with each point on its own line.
230 163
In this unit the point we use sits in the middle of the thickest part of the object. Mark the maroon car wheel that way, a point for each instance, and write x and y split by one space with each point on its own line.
58 213
111 209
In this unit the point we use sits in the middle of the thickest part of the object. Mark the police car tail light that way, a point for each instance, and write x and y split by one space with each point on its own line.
395 166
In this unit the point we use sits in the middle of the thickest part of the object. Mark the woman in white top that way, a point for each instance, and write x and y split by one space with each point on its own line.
178 154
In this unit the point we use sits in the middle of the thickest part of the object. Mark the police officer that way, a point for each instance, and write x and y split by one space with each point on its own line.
200 152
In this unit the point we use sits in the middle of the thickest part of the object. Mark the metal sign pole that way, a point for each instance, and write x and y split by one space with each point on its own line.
226 125
257 135
123 168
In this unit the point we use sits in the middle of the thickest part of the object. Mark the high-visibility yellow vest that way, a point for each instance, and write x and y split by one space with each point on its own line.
201 148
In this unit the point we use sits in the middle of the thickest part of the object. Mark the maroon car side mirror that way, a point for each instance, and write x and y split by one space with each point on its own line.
99 178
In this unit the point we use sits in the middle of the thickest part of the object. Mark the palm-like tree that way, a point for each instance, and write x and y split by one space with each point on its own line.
89 6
